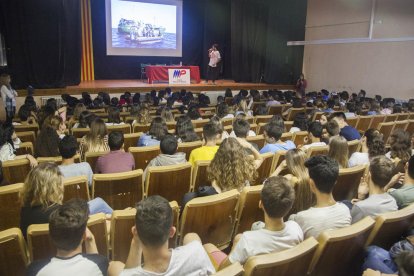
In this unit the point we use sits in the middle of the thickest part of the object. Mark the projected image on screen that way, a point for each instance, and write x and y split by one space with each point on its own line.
144 27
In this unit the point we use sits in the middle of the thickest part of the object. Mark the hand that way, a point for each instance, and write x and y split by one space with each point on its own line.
32 160
363 188
355 200
398 178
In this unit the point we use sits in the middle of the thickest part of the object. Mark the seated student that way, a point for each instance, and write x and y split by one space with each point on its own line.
158 129
277 197
381 170
210 137
68 148
314 137
114 117
47 142
300 123
372 145
405 195
241 129
153 227
25 115
347 131
68 231
272 134
117 160
327 214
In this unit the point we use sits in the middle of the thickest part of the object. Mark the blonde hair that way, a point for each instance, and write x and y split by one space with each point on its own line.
43 186
338 150
144 117
243 106
4 78
295 161
97 139
231 166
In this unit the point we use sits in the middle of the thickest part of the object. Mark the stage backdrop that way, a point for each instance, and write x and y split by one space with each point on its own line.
44 40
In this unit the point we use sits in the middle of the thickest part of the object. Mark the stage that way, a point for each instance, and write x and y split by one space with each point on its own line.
141 86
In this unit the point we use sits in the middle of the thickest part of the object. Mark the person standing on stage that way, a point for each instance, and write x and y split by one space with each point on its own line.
301 85
213 68
9 97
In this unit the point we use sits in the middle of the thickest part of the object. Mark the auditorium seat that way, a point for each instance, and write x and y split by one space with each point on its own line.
199 123
97 225
200 175
199 132
410 127
80 132
76 187
391 227
400 125
364 123
376 120
403 116
171 182
92 157
259 140
391 118
131 140
15 171
119 190
275 110
27 136
250 119
292 113
279 157
121 224
341 251
293 261
212 217
248 209
10 206
317 116
141 128
386 129
265 169
171 126
319 150
24 128
263 119
352 121
260 128
354 146
125 128
288 125
13 250
235 269
346 187
143 155
286 136
25 148
188 147
255 105
299 137
227 122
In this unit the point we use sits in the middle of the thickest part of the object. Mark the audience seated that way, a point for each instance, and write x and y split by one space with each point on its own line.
153 227
272 134
348 132
372 145
47 142
158 129
211 134
300 123
339 151
114 118
223 133
241 129
326 214
381 170
314 137
184 130
96 140
404 196
68 148
401 148
68 232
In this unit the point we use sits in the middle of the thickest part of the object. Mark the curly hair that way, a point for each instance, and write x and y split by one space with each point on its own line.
144 116
375 142
400 142
231 166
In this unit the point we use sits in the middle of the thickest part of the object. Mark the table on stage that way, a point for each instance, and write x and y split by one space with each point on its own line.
160 73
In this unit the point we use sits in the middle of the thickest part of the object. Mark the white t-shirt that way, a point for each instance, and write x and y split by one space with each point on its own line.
294 129
190 259
214 58
373 206
263 241
7 152
10 93
316 144
316 220
358 158
251 133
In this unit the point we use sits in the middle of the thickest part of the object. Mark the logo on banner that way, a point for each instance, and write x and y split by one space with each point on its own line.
179 73
179 76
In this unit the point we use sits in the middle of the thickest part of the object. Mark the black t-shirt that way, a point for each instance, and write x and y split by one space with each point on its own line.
34 215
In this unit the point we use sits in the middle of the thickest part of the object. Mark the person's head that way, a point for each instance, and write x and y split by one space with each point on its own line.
372 139
301 121
231 166
154 222
167 115
400 142
24 113
67 224
381 170
184 130
214 46
193 113
43 186
116 140
5 79
243 106
405 263
340 118
114 116
84 119
332 128
222 110
144 116
272 133
158 128
323 120
55 122
169 144
241 128
338 150
211 133
409 168
68 147
323 172
330 103
98 129
79 108
277 197
277 120
315 130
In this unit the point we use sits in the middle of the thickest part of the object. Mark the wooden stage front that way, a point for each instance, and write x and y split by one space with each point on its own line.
141 86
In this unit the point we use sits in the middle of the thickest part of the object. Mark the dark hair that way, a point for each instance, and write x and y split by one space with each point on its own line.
67 224
210 131
222 110
84 119
316 129
261 110
301 121
158 128
332 128
277 196
278 121
400 142
405 263
273 131
68 146
382 170
323 171
241 128
193 113
115 140
168 144
411 167
24 113
153 221
374 142
184 130
114 115
338 115
330 103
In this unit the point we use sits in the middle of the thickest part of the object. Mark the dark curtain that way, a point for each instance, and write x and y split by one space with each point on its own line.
43 41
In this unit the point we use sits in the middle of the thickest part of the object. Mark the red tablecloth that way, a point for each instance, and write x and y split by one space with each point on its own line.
160 73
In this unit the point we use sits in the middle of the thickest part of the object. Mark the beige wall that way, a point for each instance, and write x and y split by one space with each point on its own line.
385 68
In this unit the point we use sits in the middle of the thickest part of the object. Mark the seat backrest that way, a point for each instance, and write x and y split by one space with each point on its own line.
143 155
199 123
400 124
259 140
13 250
15 171
10 206
260 128
391 118
364 123
286 136
346 187
188 147
25 148
265 169
354 146
141 128
279 157
124 128
200 177
263 119
119 190
410 127
235 269
345 244
292 113
386 129
76 187
293 261
212 217
227 122
288 125
80 132
27 136
121 224
22 128
319 150
275 109
92 157
376 120
131 140
171 182
352 121
391 227
97 225
403 116
299 137
249 211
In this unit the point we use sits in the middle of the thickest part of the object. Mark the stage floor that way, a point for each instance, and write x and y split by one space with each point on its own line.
141 86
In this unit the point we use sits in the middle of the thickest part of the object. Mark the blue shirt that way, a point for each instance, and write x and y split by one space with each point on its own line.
350 133
147 140
276 147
